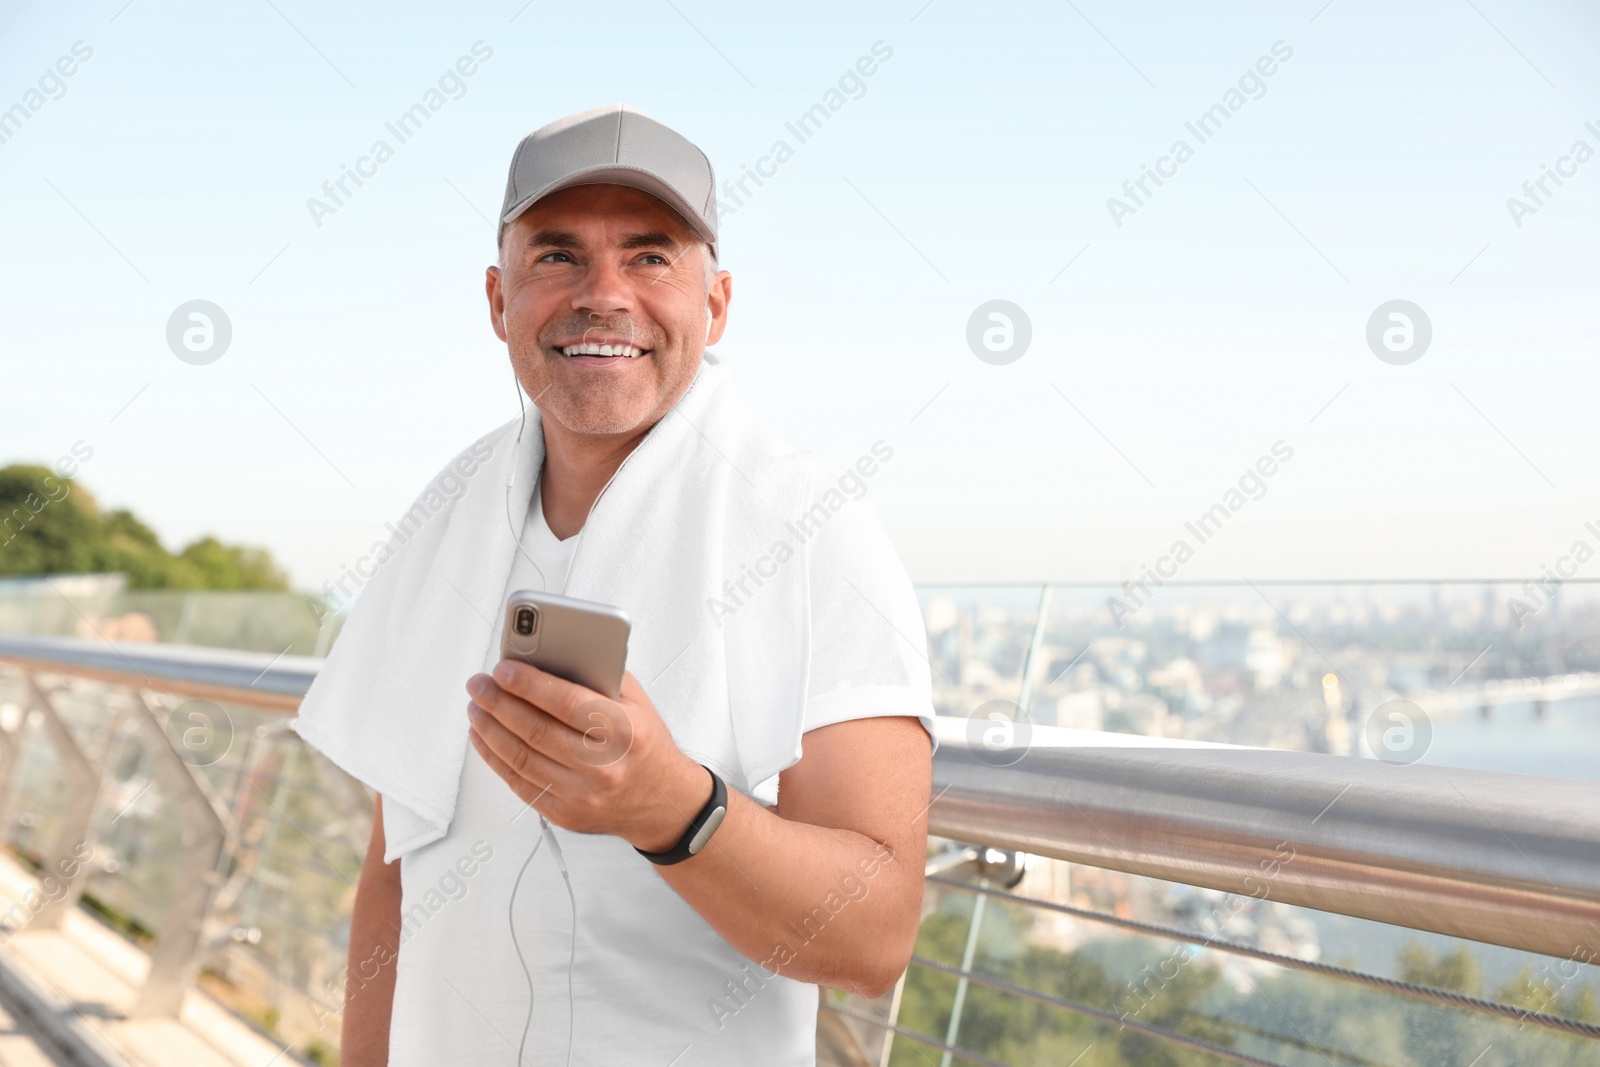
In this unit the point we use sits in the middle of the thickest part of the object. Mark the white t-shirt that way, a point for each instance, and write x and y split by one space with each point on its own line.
653 983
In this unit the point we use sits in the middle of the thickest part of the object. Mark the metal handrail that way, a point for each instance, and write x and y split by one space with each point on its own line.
1506 859
252 679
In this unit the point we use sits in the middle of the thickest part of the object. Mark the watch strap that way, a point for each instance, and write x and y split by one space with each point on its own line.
700 829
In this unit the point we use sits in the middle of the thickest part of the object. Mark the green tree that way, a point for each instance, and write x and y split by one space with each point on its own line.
132 548
1458 971
1023 1031
1552 991
45 525
221 566
51 525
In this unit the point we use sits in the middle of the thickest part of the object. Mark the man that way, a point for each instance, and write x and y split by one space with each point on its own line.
774 659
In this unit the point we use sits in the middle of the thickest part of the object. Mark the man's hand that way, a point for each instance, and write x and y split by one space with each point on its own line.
586 762
826 888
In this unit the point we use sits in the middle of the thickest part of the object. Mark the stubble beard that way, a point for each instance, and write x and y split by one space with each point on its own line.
596 407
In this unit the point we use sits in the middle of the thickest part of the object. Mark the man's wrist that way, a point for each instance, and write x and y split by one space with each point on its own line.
680 795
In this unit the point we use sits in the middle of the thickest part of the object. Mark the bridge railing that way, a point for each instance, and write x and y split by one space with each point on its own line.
1093 891
1497 859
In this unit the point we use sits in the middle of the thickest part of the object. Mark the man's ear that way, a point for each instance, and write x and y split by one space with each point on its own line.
718 296
497 302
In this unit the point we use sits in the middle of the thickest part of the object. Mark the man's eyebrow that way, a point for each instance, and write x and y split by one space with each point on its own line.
555 239
649 239
568 239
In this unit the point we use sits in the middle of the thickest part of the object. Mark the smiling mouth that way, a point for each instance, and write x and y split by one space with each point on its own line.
611 351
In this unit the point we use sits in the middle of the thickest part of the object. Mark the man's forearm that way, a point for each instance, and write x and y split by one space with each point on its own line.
827 889
374 949
822 905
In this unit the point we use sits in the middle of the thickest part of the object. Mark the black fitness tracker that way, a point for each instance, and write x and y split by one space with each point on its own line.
700 830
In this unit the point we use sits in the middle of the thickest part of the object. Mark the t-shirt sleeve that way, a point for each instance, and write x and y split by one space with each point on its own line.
868 642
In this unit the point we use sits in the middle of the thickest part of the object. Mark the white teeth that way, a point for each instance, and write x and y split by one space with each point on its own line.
602 350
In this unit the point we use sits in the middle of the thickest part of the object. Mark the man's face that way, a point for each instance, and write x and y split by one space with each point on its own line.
600 268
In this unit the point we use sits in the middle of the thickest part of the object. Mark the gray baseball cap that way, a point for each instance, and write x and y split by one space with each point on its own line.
614 145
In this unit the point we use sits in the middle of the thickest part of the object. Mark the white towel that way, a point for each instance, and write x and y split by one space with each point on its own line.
708 490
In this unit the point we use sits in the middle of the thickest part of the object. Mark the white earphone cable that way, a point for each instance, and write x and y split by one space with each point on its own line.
546 832
511 921
572 944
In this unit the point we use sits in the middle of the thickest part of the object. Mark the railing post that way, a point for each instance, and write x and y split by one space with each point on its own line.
180 939
886 1050
355 803
65 859
954 1029
10 749
1035 651
227 896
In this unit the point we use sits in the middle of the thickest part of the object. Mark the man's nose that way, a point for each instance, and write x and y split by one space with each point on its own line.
604 290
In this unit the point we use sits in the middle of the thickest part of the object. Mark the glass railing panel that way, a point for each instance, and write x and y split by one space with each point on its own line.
1505 678
279 926
1044 985
1229 663
248 621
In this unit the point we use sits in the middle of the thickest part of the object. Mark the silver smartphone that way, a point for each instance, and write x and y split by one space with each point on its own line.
579 640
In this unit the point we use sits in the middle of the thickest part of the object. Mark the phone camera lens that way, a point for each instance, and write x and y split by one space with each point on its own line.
526 618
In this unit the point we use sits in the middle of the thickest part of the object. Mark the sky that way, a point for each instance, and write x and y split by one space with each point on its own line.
1177 334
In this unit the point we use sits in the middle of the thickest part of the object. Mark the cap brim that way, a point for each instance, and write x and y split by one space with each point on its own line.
611 174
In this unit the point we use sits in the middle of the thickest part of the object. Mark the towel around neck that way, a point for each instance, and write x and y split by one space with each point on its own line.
707 492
